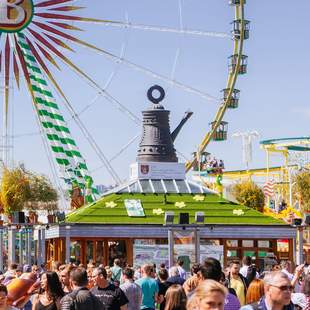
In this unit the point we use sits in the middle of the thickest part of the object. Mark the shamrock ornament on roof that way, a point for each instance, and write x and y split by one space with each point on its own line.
238 212
180 204
199 197
110 204
158 211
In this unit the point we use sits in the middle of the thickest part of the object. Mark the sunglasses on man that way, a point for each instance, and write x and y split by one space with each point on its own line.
284 287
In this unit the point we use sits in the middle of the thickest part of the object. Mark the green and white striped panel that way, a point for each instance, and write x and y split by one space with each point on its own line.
64 149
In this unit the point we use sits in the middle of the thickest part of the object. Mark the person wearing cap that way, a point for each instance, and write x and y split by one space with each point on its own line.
26 268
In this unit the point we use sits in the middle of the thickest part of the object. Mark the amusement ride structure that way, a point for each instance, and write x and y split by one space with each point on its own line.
292 156
38 35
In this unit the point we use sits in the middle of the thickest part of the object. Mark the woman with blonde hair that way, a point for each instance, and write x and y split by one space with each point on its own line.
255 291
175 298
208 295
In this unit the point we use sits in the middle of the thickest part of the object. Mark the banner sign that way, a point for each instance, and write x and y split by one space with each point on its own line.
150 254
134 207
152 170
215 251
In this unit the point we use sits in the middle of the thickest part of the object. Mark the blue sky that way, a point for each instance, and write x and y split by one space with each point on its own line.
274 94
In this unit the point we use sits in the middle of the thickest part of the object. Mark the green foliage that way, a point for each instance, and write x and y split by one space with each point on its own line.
249 194
15 189
23 189
42 193
217 210
302 180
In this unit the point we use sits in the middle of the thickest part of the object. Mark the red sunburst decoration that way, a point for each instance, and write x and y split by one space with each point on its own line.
46 26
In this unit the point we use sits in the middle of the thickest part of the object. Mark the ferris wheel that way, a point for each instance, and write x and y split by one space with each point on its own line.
67 71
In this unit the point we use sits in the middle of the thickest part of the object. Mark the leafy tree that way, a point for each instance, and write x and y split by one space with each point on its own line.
302 181
43 196
21 189
249 194
15 189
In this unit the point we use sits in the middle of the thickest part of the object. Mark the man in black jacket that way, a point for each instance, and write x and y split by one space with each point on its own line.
237 281
80 298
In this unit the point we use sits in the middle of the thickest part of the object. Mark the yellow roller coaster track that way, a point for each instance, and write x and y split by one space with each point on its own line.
232 78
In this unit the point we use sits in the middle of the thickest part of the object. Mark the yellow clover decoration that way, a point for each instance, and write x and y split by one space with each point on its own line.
238 212
180 204
158 211
199 197
110 204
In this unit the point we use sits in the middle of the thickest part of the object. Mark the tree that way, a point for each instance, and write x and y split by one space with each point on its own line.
302 181
43 196
249 194
15 190
21 189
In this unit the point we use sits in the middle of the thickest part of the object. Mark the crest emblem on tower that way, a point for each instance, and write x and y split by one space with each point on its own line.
145 169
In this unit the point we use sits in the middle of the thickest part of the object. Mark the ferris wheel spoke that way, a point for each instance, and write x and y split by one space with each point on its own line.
81 73
125 147
122 150
158 76
118 60
183 31
107 84
84 131
47 3
182 155
127 24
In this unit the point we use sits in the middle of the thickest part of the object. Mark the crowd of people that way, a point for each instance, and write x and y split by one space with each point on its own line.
211 165
149 287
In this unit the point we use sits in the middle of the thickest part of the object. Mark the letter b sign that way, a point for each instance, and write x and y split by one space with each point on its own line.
15 15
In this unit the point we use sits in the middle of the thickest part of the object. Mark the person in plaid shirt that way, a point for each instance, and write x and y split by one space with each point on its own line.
132 290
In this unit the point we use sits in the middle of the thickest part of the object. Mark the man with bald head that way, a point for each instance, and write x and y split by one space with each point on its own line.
278 290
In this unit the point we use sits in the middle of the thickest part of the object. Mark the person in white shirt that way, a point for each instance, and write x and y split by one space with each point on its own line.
179 265
287 268
246 262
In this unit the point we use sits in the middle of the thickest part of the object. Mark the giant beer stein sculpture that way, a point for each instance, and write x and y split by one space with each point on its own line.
20 288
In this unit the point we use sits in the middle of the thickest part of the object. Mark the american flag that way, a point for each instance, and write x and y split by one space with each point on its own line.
268 188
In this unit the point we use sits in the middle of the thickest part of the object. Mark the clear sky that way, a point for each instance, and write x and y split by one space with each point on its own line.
274 94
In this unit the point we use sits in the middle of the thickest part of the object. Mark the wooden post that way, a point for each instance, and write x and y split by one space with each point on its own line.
106 252
129 250
68 244
225 252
